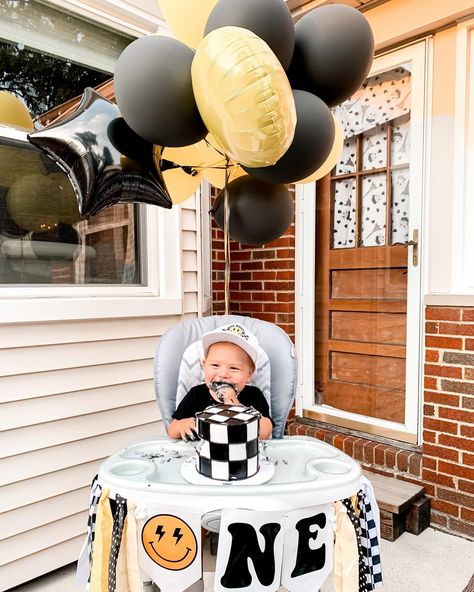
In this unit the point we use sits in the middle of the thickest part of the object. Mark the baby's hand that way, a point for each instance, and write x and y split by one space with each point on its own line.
187 429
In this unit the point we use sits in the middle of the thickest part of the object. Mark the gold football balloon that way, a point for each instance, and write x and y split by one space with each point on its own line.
243 96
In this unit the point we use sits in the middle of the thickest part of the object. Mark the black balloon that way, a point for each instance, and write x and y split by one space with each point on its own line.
269 19
259 212
101 176
334 49
154 91
312 142
128 143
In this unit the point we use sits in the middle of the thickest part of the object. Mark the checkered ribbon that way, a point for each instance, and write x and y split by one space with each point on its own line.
369 542
94 496
356 524
117 531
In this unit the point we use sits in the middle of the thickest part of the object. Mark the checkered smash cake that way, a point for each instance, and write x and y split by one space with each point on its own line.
229 447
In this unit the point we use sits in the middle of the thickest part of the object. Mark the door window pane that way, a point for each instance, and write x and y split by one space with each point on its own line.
374 207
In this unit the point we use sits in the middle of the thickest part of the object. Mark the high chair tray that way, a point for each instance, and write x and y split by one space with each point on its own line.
306 472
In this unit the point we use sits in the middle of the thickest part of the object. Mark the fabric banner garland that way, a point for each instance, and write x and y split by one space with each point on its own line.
169 547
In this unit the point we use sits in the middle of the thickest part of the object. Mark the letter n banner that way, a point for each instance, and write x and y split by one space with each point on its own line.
249 555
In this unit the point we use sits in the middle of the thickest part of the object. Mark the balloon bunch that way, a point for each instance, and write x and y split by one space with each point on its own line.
243 90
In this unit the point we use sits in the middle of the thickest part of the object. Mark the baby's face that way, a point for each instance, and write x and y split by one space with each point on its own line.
227 362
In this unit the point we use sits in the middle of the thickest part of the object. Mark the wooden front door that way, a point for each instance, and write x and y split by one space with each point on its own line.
367 259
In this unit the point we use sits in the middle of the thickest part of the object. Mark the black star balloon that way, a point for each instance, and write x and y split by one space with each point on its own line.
88 147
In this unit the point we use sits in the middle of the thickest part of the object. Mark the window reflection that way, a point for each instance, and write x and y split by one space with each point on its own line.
42 238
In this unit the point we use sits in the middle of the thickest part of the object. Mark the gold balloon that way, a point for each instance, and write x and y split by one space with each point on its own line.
332 158
243 96
180 182
39 203
187 18
14 113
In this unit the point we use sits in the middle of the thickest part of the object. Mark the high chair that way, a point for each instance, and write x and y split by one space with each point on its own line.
178 368
178 365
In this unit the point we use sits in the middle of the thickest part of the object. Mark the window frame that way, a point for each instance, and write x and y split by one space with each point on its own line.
160 294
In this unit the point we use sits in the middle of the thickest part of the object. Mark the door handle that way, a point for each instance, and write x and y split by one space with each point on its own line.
412 243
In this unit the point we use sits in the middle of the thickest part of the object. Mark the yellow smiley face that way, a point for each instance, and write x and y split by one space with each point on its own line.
169 542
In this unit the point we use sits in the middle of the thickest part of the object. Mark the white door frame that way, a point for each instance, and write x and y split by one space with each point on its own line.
419 55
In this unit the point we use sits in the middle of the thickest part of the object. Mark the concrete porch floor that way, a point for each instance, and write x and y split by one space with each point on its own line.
431 562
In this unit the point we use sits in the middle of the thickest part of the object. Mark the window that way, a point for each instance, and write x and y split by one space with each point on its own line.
126 252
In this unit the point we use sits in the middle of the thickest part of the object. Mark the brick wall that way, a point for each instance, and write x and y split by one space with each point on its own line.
448 423
262 279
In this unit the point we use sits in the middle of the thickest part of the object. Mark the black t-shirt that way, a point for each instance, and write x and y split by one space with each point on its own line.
199 397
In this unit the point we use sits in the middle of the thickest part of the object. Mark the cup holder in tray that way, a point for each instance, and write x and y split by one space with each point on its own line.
131 468
330 466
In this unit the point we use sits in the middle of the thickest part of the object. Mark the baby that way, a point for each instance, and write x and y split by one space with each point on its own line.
230 356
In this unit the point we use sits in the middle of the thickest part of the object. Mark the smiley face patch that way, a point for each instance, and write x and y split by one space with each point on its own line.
169 542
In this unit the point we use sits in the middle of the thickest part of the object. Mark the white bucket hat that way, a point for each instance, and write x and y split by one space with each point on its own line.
233 333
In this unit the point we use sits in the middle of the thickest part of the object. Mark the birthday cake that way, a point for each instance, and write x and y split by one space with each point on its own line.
229 442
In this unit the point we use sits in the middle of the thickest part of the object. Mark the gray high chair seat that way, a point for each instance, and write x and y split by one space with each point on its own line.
272 339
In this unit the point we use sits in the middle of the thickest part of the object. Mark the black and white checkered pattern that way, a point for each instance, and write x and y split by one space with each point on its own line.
356 523
369 543
229 448
94 497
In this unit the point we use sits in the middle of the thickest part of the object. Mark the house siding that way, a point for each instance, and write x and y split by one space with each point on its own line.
71 394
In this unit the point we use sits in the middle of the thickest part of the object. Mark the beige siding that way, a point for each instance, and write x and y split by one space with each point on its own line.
72 393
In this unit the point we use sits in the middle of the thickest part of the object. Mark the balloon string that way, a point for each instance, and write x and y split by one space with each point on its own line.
226 241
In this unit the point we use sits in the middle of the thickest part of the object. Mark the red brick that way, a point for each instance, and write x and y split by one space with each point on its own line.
458 358
444 342
430 383
469 344
454 497
379 454
439 519
432 355
414 464
467 486
468 314
253 265
441 398
464 444
440 452
390 457
467 403
279 285
339 441
429 489
402 460
448 371
467 431
437 425
442 313
264 254
264 296
264 275
435 477
369 452
285 275
467 515
462 415
349 445
457 329
462 527
286 254
430 463
252 286
469 373
431 328
429 436
428 410
456 470
278 264
445 508
359 449
454 386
